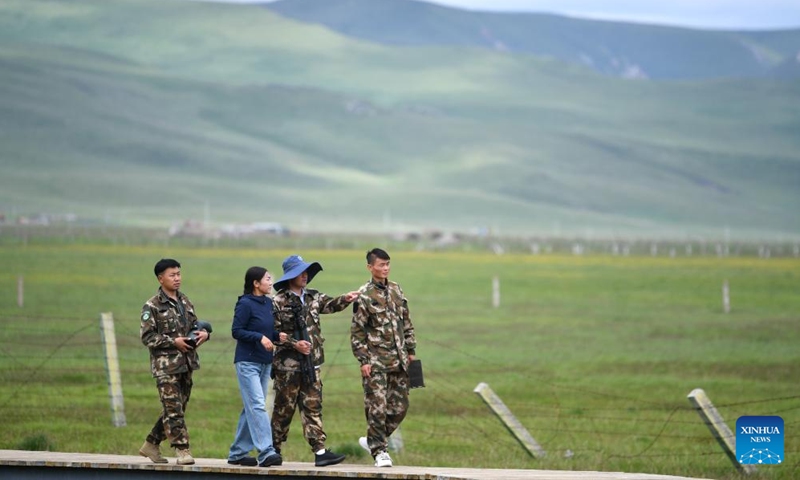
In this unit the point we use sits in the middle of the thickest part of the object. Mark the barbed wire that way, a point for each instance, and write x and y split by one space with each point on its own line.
45 361
553 420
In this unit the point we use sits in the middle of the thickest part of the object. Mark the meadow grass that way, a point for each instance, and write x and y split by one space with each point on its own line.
594 354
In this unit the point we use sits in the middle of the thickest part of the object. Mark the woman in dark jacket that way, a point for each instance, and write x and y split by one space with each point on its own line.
253 329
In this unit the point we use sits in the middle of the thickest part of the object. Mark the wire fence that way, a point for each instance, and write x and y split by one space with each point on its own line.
55 367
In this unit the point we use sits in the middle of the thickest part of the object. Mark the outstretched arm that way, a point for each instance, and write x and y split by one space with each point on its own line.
332 305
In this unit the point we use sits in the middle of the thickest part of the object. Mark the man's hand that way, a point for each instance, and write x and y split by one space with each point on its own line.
267 343
351 296
303 347
202 337
366 370
181 344
282 337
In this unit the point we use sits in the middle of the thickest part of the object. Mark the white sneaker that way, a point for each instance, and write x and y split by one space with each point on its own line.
383 460
363 442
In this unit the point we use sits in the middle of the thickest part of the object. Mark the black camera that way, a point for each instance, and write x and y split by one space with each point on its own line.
191 338
298 311
415 377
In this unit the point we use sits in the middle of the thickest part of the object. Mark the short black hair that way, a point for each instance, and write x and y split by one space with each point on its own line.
376 253
164 264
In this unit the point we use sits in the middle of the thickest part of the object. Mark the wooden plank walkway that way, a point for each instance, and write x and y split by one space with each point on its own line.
19 458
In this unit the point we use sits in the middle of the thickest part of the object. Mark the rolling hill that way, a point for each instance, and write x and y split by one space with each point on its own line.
151 112
613 48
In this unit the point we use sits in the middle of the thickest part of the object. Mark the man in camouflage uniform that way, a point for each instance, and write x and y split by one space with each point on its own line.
297 361
167 320
383 342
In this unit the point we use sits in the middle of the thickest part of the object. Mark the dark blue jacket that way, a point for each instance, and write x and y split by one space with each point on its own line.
252 319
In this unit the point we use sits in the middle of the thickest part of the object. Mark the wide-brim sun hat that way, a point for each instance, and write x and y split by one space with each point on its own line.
293 266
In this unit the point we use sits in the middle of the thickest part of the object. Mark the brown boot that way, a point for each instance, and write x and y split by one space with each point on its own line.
153 452
184 456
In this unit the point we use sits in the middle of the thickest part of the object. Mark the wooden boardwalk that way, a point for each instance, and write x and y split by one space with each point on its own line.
64 465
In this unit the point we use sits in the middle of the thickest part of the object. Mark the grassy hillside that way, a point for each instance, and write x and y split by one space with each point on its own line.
615 48
237 113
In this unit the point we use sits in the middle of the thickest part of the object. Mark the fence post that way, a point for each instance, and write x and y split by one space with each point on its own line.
20 291
719 429
112 368
726 297
496 291
511 423
396 441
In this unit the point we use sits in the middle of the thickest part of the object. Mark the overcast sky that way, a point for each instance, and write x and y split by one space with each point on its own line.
724 14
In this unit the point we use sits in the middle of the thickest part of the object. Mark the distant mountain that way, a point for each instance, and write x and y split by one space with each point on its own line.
152 112
613 48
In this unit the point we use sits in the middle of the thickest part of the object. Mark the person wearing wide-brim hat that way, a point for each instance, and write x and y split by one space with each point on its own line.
297 309
293 267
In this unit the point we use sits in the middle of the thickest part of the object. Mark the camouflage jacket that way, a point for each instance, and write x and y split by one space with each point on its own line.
162 323
382 334
285 302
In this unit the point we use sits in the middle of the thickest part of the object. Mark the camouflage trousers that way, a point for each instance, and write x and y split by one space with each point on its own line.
290 395
174 391
385 406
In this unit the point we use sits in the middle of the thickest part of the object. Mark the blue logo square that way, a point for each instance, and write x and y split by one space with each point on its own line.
759 440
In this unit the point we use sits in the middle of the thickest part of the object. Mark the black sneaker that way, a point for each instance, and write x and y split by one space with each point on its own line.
328 458
273 460
245 462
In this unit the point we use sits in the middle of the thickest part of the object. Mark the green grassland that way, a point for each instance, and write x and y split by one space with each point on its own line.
594 354
149 112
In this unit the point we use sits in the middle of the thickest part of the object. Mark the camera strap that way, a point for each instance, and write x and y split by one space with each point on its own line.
182 311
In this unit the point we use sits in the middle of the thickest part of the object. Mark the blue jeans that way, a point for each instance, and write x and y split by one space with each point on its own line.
254 430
